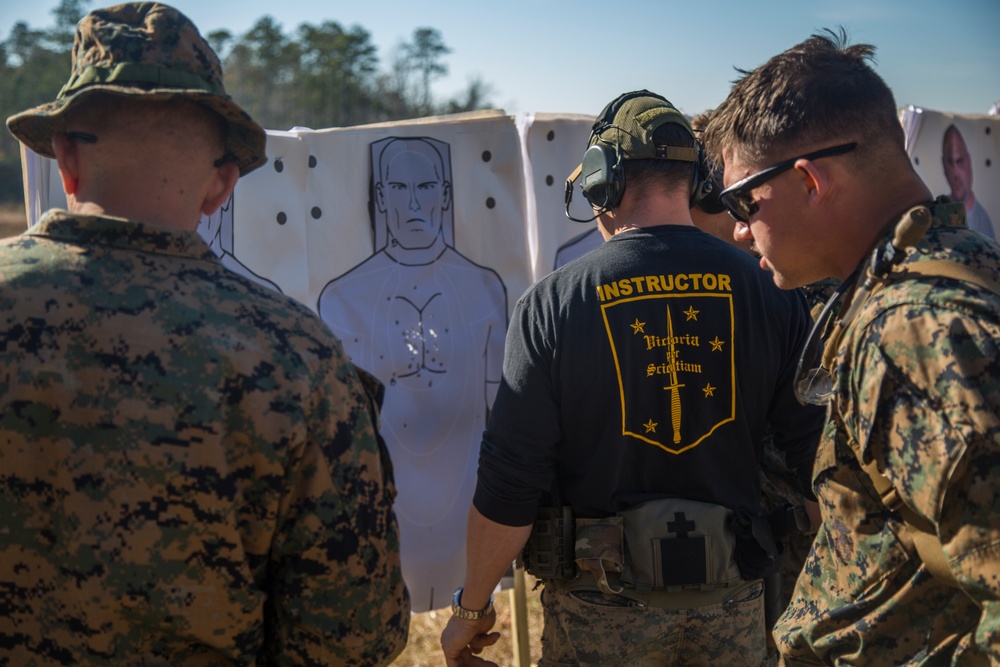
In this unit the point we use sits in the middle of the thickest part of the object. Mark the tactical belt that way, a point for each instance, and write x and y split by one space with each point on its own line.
686 598
665 547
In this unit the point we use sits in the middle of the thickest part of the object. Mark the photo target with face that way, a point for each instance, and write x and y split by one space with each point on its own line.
956 155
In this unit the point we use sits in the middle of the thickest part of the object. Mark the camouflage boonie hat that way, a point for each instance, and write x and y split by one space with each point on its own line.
151 50
630 121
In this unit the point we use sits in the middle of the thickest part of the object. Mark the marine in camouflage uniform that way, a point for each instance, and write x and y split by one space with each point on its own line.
918 392
782 493
190 471
188 465
905 569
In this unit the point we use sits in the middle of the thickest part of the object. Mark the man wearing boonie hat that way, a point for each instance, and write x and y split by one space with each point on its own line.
623 448
190 468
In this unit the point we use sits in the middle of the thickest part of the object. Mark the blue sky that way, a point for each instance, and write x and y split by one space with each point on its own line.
576 55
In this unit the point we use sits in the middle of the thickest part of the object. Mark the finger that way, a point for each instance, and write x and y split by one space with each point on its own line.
479 642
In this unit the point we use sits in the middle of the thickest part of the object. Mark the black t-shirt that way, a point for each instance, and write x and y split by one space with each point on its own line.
651 367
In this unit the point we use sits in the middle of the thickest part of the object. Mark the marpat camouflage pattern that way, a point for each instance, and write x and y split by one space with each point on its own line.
189 472
918 391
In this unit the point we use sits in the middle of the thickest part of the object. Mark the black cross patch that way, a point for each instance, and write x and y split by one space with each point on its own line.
681 525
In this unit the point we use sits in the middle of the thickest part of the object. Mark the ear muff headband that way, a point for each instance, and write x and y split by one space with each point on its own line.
603 174
602 171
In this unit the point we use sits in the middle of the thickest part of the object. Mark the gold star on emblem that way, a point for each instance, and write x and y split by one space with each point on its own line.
650 426
716 344
709 390
638 326
692 314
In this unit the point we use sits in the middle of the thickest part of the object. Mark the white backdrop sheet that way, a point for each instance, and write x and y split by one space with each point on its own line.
431 331
307 218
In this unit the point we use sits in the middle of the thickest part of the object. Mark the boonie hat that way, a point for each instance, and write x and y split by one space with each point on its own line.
630 121
151 50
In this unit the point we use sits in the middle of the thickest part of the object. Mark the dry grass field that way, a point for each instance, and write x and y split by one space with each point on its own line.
423 649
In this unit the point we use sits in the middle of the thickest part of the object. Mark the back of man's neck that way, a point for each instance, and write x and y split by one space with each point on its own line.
650 209
650 218
160 218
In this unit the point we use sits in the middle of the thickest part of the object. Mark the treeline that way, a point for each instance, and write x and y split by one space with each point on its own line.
322 75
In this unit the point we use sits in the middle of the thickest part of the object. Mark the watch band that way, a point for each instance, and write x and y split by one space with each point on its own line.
468 614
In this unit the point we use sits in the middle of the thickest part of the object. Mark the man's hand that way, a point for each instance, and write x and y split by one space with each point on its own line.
490 548
463 640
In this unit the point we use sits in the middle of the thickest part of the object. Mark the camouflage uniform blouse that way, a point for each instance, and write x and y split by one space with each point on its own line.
189 472
918 390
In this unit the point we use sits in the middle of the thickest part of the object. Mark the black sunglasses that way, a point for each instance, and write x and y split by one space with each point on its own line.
736 198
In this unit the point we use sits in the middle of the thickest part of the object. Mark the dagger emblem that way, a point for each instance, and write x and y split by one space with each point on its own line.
674 387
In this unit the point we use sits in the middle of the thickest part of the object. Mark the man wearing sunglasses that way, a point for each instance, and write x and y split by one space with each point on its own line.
906 566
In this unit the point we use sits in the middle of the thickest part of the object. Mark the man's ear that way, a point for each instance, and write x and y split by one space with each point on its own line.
220 188
68 161
380 197
815 180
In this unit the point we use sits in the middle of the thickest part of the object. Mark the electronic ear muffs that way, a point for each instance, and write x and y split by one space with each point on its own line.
707 196
704 184
602 177
603 173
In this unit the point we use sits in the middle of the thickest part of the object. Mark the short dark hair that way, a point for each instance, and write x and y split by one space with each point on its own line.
821 91
701 120
673 173
102 110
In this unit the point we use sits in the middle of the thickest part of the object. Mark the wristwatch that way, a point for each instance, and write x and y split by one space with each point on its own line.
468 614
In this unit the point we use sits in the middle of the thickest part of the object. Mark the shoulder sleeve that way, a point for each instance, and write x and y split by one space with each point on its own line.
517 455
926 380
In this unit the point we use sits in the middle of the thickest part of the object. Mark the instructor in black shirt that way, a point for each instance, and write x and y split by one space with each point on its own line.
638 383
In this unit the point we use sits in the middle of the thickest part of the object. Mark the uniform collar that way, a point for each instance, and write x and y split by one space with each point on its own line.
120 233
